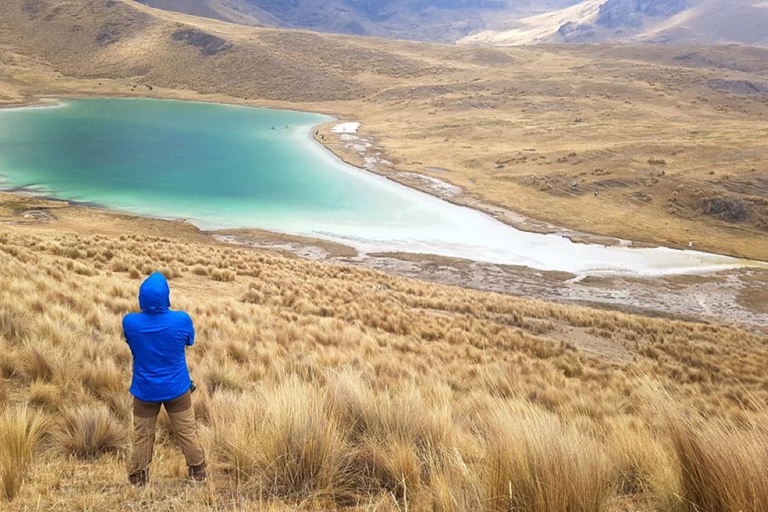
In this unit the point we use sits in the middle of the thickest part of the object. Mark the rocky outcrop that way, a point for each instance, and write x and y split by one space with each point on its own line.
632 13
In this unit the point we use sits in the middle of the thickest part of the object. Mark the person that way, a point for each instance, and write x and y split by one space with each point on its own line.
158 338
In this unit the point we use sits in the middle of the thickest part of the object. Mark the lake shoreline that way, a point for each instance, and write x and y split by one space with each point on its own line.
519 222
683 297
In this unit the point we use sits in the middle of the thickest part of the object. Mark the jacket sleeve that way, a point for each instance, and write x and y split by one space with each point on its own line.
190 328
125 330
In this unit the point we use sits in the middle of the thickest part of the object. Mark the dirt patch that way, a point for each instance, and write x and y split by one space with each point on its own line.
755 299
589 239
753 184
110 34
206 43
285 243
616 183
738 87
694 279
39 215
600 345
754 293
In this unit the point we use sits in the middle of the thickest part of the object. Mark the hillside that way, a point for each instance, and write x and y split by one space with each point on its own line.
328 387
655 21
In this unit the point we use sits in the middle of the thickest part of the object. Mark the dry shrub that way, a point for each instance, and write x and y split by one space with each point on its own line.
120 404
454 485
284 444
13 324
404 443
103 378
222 275
644 464
724 467
201 401
20 433
45 396
396 467
35 365
535 463
222 377
253 296
89 432
9 367
200 270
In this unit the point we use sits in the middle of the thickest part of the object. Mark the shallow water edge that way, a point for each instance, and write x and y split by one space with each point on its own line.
604 257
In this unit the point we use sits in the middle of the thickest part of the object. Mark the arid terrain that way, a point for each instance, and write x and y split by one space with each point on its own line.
346 384
672 138
327 386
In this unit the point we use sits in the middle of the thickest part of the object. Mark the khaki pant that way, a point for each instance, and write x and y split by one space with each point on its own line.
182 417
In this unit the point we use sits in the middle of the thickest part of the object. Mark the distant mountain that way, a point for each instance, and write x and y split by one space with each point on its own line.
424 20
633 13
657 21
502 22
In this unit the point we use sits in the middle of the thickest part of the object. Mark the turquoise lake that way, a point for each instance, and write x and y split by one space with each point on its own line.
222 166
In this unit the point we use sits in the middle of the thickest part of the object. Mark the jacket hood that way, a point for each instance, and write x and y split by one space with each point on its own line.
154 294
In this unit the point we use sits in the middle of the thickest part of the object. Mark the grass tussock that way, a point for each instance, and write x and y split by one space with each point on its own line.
283 444
536 463
723 467
21 430
89 432
644 464
325 387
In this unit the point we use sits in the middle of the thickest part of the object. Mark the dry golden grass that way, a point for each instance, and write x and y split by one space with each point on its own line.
324 386
89 432
723 466
20 432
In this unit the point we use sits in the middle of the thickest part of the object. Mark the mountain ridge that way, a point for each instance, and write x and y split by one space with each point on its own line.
502 22
703 22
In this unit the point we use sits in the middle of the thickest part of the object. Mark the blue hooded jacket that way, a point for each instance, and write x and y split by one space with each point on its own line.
158 338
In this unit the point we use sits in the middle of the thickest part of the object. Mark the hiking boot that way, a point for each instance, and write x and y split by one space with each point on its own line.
139 478
197 473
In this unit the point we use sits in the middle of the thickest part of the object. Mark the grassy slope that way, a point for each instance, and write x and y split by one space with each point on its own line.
328 386
469 110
